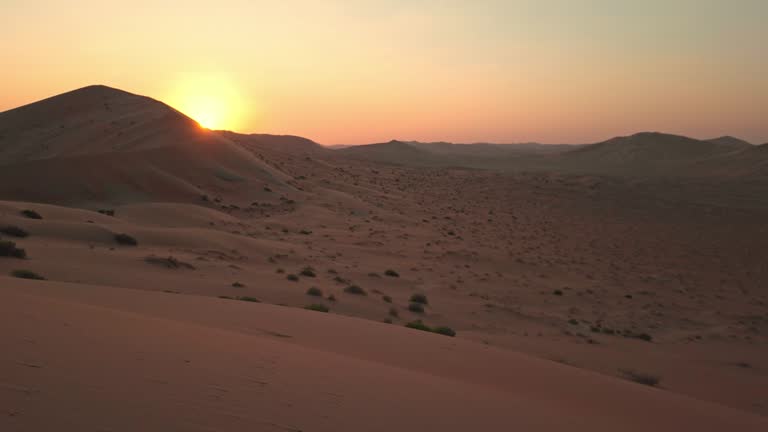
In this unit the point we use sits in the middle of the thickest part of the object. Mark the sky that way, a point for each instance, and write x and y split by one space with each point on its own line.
352 72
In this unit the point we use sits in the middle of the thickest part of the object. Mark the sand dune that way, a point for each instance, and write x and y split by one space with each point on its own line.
167 254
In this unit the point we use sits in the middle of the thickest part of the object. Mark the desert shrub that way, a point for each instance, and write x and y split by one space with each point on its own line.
419 325
557 292
292 277
169 262
9 249
387 298
354 289
308 272
237 285
641 377
445 331
315 291
419 298
392 273
108 212
249 299
31 214
317 307
26 274
126 240
394 312
13 231
416 308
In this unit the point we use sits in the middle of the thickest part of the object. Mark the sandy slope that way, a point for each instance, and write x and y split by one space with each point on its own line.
99 358
570 270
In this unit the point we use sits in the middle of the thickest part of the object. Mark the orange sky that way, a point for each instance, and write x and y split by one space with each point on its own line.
345 72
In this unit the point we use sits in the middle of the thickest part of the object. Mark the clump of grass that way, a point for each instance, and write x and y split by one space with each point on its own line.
317 307
641 377
26 274
31 214
445 331
416 308
419 298
292 277
386 298
169 262
308 272
315 291
14 231
391 273
126 240
9 249
419 325
354 289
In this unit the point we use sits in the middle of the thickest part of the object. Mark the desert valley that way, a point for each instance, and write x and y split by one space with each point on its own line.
157 275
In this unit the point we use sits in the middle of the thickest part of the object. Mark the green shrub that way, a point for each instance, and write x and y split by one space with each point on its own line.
419 325
317 307
315 291
14 231
308 272
9 249
416 308
126 240
419 298
31 214
26 274
446 331
354 289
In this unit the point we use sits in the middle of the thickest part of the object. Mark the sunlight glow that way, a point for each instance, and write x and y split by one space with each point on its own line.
212 101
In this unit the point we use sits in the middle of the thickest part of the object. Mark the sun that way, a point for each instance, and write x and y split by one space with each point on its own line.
213 102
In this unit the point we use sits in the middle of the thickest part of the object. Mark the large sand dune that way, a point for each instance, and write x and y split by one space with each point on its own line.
567 292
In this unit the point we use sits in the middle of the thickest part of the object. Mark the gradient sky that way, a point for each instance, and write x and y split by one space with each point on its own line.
366 71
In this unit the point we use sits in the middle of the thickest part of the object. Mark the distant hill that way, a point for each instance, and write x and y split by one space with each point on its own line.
99 144
648 154
442 154
276 142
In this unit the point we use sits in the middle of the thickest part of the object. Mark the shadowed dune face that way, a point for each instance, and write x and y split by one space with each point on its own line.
603 282
101 145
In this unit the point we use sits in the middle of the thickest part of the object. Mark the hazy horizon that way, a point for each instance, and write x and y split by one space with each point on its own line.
485 71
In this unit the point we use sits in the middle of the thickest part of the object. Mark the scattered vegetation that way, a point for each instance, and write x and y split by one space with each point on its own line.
394 312
557 292
416 308
386 298
237 285
292 277
308 272
354 289
9 249
31 214
419 298
332 298
14 231
641 377
26 274
248 299
108 212
169 262
419 325
315 291
126 240
392 273
317 307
